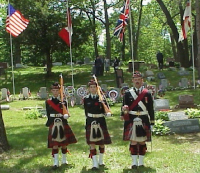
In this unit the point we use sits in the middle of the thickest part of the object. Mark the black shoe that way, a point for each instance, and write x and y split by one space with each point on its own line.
94 168
102 165
141 166
134 167
55 167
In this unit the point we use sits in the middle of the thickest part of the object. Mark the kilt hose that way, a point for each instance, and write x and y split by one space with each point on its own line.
70 137
106 140
128 129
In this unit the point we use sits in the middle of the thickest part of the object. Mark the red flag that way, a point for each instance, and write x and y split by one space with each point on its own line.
122 21
15 22
186 22
66 33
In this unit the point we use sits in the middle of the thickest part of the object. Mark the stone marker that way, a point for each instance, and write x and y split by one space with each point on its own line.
177 116
161 104
161 75
5 107
183 126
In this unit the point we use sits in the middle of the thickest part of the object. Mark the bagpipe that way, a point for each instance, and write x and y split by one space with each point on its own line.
64 108
102 98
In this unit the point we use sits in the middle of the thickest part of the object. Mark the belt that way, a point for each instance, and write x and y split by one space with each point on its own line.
56 115
138 113
95 115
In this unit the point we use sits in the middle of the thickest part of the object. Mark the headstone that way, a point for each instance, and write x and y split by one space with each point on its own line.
161 75
124 85
104 87
5 107
182 71
149 73
186 101
150 78
4 93
180 115
119 77
43 93
160 104
164 83
184 83
25 92
86 60
57 63
183 126
19 65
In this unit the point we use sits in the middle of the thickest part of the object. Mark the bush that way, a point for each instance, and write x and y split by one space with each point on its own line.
163 115
32 114
192 113
160 129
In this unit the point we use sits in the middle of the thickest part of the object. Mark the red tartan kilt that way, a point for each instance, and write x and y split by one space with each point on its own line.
70 137
126 135
106 140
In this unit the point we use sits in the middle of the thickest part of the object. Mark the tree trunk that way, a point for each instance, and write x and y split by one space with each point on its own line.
108 40
95 40
49 63
135 47
182 49
198 34
4 146
17 52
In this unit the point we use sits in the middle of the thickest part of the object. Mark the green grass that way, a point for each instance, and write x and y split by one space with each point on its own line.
28 138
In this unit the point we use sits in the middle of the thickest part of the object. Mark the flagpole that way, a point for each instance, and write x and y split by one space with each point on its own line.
131 36
192 46
70 46
11 54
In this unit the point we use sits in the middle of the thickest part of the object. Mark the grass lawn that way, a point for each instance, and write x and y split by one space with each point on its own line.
28 137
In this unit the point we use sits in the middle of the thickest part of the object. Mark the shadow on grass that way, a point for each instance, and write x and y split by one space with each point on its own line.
101 169
140 170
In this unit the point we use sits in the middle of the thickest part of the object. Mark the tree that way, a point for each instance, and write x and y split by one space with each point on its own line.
198 34
182 48
4 146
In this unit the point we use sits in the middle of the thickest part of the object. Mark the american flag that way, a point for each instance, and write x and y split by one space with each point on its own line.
15 22
122 21
186 22
66 33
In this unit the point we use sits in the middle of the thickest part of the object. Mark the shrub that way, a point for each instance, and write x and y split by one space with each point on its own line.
160 129
192 113
32 114
163 115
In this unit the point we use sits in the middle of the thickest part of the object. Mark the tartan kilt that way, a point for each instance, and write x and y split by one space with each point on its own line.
70 137
127 130
106 140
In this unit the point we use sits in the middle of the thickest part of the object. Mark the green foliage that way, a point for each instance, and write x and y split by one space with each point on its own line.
163 115
159 128
192 113
32 114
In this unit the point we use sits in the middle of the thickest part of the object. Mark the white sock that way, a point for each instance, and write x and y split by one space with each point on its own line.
134 157
141 160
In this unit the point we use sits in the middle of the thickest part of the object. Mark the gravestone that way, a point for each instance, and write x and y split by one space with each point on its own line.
186 101
57 63
124 85
184 83
19 65
164 83
161 75
5 107
149 73
180 115
104 87
43 94
183 126
160 104
119 77
182 71
86 60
